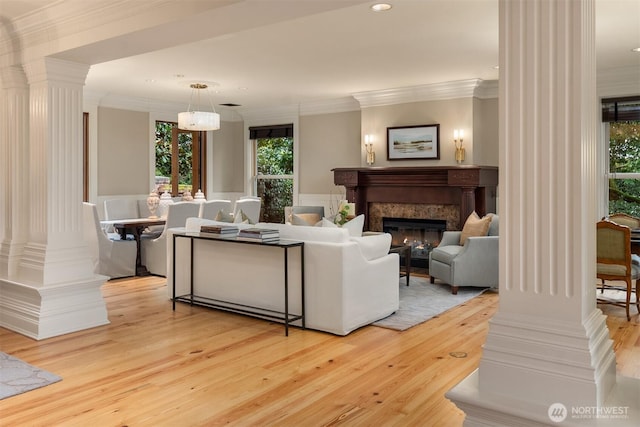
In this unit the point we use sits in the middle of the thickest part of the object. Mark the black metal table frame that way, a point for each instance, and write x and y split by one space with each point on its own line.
249 310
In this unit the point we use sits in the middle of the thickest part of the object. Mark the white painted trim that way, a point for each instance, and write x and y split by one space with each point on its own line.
48 311
429 92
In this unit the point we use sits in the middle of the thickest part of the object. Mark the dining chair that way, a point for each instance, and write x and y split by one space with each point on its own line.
154 251
250 207
211 209
613 250
625 219
111 257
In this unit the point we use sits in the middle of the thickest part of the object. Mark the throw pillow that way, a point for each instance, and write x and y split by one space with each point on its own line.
475 226
305 219
223 216
354 226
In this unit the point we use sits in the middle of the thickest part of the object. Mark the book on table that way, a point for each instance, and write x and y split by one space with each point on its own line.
259 234
222 230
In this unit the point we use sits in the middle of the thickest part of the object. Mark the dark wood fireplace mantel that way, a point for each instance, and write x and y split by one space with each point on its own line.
469 187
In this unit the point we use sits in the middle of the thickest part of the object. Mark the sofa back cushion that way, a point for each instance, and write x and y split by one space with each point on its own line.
309 233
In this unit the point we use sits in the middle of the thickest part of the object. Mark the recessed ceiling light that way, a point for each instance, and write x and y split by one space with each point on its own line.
496 67
636 49
380 7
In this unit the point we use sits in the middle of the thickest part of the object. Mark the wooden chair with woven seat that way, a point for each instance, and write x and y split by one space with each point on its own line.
625 219
613 251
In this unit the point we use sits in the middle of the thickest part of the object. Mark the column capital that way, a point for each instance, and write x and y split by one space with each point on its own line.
58 70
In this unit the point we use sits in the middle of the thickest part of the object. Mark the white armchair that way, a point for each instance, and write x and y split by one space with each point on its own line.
473 264
154 251
113 258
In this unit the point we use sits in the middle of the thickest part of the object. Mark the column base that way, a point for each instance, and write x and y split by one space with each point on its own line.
41 312
486 409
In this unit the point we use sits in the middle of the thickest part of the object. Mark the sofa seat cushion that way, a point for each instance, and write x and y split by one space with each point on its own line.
446 254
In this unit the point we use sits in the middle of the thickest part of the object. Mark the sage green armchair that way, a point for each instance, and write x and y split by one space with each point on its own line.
473 264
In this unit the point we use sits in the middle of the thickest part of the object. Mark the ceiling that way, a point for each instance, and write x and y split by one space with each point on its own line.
314 55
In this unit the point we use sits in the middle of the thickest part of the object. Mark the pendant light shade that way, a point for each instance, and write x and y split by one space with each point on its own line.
198 120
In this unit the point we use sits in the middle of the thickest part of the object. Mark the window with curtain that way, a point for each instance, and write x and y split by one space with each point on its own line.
622 119
273 168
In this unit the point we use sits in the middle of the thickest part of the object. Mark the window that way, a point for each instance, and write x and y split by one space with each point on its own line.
273 173
622 116
180 159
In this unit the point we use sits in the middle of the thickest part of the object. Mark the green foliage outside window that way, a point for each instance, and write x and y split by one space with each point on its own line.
624 156
163 154
275 157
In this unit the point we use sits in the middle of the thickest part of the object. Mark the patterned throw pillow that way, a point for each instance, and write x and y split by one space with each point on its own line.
223 216
475 226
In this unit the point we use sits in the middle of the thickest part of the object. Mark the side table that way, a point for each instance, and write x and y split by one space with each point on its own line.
405 252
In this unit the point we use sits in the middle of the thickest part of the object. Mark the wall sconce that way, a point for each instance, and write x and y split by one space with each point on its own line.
458 135
368 146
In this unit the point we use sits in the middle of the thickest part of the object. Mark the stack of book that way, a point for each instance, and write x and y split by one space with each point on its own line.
259 235
220 230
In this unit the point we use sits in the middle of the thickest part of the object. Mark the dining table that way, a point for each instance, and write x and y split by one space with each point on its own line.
134 227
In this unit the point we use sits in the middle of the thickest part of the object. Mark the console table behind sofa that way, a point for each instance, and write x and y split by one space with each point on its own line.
349 282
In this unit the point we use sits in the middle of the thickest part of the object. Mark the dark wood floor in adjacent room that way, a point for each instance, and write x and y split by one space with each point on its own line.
195 366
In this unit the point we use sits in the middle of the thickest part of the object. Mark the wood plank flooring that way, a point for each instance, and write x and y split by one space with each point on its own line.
195 366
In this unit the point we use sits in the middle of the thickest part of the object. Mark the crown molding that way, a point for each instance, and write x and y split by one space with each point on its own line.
429 92
487 89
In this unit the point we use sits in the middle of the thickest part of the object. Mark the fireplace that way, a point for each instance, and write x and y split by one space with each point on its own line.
421 234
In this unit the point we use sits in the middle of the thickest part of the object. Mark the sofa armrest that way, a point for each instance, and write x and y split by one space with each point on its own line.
450 238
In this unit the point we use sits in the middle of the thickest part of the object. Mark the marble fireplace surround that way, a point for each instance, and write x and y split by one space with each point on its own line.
434 192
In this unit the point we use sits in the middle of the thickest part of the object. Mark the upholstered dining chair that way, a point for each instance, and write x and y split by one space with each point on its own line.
624 219
210 209
613 250
154 251
250 207
114 258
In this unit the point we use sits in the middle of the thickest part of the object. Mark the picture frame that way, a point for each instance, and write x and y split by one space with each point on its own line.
413 142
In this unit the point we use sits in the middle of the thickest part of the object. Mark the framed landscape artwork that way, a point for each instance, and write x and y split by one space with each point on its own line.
413 142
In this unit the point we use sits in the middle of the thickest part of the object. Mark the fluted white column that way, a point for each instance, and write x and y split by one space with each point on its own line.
548 343
14 145
54 289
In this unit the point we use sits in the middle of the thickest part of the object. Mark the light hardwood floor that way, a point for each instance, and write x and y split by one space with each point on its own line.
195 366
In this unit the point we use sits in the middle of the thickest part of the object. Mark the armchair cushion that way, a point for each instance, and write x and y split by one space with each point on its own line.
446 254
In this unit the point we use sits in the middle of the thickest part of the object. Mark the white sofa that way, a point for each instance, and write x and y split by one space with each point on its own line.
349 281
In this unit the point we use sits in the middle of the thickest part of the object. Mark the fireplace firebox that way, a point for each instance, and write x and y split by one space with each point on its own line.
421 234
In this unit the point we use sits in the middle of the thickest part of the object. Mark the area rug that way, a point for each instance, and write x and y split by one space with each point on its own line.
18 377
420 301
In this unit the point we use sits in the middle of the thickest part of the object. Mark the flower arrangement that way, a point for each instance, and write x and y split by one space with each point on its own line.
343 213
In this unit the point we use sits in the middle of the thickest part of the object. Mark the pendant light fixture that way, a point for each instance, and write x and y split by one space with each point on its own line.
198 120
